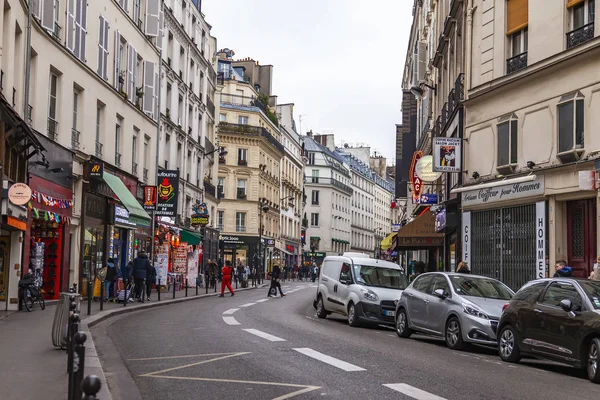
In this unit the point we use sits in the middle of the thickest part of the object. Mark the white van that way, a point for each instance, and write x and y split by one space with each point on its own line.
364 289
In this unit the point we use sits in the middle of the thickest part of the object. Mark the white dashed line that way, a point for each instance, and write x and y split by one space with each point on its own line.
413 392
230 321
262 300
264 335
247 305
343 365
230 311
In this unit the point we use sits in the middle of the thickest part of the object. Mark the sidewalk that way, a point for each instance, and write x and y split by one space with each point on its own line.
34 369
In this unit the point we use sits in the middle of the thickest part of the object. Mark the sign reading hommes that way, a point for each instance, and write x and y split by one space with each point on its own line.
504 192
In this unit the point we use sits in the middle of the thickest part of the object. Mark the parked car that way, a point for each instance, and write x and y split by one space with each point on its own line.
556 319
460 308
364 289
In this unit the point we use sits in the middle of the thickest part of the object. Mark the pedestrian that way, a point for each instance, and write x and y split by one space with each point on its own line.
463 268
212 273
595 275
112 274
150 279
227 271
563 270
141 265
313 272
275 275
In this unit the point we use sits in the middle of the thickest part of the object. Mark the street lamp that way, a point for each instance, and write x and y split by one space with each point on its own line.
262 208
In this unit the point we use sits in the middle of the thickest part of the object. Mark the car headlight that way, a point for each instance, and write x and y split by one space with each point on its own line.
474 311
370 295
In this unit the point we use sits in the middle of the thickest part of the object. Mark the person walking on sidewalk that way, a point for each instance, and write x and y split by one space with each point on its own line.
141 266
150 279
112 274
275 274
227 272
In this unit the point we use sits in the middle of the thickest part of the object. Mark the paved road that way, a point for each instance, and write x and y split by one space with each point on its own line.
246 347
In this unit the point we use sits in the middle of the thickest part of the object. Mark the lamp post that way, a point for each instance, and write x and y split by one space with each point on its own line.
262 208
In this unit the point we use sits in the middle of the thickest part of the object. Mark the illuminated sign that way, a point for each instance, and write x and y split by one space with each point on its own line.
416 183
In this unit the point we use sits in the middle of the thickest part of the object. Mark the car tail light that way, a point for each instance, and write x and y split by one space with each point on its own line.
504 307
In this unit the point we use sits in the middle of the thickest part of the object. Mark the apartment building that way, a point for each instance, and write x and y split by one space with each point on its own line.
249 177
529 197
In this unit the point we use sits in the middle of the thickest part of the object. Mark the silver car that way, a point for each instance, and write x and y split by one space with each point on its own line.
461 308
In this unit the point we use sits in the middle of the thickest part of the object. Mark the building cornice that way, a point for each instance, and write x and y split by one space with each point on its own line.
178 30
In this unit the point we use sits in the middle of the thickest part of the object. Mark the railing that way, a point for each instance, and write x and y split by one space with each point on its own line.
75 139
210 189
118 159
56 31
333 182
29 114
455 98
98 149
52 129
145 175
240 228
242 162
580 35
247 101
210 106
209 149
250 130
134 168
516 63
241 193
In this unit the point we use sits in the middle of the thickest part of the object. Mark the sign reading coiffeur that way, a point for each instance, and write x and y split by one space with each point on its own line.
416 183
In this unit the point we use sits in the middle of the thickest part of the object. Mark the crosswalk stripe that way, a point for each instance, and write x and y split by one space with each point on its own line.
264 335
230 311
413 392
343 365
247 305
230 321
262 300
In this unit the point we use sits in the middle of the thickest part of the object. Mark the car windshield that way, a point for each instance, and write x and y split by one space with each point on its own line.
481 287
380 277
592 289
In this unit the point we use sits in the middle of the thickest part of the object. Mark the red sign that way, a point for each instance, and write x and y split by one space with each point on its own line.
415 182
149 198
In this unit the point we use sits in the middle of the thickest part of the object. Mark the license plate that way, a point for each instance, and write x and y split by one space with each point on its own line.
390 313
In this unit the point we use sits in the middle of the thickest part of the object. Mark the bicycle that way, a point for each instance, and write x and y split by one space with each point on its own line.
31 291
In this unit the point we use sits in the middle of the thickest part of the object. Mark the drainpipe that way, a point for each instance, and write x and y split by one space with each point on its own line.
469 45
28 58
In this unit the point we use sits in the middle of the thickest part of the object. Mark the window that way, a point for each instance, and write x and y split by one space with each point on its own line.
519 42
315 197
241 188
118 145
240 221
314 219
422 283
134 149
315 176
570 127
530 293
137 16
74 131
311 158
221 187
103 49
507 143
440 282
52 123
558 291
77 28
220 220
243 120
223 117
346 273
582 14
242 156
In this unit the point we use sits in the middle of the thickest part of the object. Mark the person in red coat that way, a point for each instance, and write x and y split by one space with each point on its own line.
227 272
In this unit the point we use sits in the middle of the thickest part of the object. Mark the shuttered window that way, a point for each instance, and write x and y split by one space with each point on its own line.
77 27
572 3
103 48
47 14
149 82
517 15
117 53
131 72
152 18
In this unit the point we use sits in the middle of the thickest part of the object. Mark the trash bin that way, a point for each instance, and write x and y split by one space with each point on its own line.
61 319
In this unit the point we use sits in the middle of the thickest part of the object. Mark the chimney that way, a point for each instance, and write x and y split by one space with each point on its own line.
309 133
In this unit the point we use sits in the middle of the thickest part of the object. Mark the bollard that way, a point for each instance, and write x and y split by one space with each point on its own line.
186 285
143 291
89 293
206 282
102 292
91 386
125 297
71 357
197 287
78 364
158 289
71 322
174 286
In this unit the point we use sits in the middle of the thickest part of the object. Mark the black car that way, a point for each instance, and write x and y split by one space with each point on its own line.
555 319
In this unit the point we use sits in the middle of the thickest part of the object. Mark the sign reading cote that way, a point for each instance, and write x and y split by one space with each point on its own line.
504 192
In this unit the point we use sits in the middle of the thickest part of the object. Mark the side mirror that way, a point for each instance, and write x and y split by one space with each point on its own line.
566 305
440 293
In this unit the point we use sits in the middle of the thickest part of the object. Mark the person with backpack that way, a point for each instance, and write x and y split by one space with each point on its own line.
227 272
112 274
141 266
275 275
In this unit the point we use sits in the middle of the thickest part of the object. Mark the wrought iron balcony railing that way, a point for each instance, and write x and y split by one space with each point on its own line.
52 129
516 63
250 130
580 35
210 189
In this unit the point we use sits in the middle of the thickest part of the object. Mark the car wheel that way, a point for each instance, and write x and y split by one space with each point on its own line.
593 369
508 346
352 318
321 312
402 329
453 335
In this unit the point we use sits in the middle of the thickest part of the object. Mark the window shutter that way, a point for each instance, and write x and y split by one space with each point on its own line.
124 4
130 65
70 28
148 87
80 29
117 61
134 83
572 3
161 28
517 15
37 8
156 89
105 41
48 14
101 28
152 11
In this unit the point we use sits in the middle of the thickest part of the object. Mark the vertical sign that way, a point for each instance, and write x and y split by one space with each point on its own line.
466 238
415 182
540 239
149 198
168 192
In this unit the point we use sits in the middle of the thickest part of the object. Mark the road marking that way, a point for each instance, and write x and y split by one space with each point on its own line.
247 305
299 287
185 356
286 286
194 364
343 365
413 392
264 335
262 300
230 311
230 321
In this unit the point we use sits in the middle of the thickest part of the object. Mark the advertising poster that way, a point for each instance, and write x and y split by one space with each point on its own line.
447 154
180 259
162 268
168 193
192 271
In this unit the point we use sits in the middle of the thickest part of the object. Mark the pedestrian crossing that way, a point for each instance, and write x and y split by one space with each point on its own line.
336 362
413 392
264 335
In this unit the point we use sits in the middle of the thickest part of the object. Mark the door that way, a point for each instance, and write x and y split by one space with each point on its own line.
4 262
417 299
436 308
581 236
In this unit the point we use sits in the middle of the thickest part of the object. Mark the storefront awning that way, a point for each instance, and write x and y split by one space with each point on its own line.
191 238
419 233
387 242
131 204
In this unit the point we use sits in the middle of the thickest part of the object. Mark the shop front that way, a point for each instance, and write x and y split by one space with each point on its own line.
504 234
315 257
292 253
242 248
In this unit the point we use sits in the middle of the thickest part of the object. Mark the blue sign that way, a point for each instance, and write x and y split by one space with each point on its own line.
270 242
428 198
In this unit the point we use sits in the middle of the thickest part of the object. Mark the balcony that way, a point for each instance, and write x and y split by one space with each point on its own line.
209 149
52 129
242 162
241 194
98 150
210 189
240 228
332 182
75 139
246 101
118 159
145 177
249 130
134 168
580 35
516 63
210 106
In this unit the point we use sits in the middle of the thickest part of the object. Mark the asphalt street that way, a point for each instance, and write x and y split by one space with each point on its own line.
252 348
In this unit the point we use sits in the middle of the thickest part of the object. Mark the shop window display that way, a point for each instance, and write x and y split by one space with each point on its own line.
93 252
4 254
46 254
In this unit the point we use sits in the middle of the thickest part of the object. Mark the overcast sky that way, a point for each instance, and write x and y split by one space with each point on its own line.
339 61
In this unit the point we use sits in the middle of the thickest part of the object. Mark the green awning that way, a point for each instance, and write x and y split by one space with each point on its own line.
191 238
315 238
125 196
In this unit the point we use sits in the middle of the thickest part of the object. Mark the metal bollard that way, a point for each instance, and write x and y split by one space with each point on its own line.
158 289
125 297
71 357
89 295
186 286
78 364
102 292
174 284
143 291
73 318
91 386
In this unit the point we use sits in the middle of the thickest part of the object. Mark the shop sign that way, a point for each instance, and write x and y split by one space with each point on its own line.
416 183
466 237
19 194
231 239
395 227
428 199
168 193
180 258
540 239
200 216
16 223
440 220
149 198
504 192
420 241
447 153
314 254
291 249
424 169
270 242
122 217
95 207
96 170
